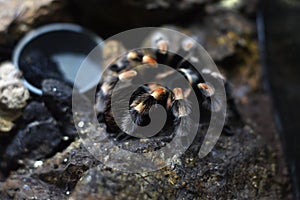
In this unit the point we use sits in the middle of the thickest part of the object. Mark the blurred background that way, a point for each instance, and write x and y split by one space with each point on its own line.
280 44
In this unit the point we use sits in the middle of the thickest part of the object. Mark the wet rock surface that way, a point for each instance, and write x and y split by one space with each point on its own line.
240 167
55 177
244 171
42 157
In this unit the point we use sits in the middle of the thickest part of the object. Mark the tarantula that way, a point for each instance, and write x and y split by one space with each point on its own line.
174 98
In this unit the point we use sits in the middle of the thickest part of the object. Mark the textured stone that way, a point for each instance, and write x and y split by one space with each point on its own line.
53 178
239 167
19 16
37 139
58 98
13 95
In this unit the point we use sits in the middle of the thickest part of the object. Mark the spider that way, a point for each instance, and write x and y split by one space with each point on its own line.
175 98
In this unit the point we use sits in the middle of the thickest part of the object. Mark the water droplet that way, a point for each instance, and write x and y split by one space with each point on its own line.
65 138
26 187
81 124
38 163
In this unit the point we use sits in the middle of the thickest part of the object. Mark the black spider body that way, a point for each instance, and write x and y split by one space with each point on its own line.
175 99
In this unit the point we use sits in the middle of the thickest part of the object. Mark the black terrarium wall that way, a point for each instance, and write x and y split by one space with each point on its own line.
43 146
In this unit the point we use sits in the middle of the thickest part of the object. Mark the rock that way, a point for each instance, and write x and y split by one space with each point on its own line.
53 178
44 127
6 125
246 6
138 13
37 67
19 17
13 95
223 33
163 4
58 98
24 187
39 137
68 165
239 167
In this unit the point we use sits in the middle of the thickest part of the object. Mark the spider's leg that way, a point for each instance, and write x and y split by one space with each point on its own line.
149 59
161 46
176 79
127 75
122 137
140 107
185 50
180 107
181 111
106 87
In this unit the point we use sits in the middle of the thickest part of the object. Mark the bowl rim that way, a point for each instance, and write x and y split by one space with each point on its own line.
42 30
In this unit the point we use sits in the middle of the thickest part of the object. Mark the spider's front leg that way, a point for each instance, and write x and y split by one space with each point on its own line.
139 108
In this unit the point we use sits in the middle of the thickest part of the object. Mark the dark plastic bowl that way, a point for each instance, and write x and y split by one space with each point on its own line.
65 45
